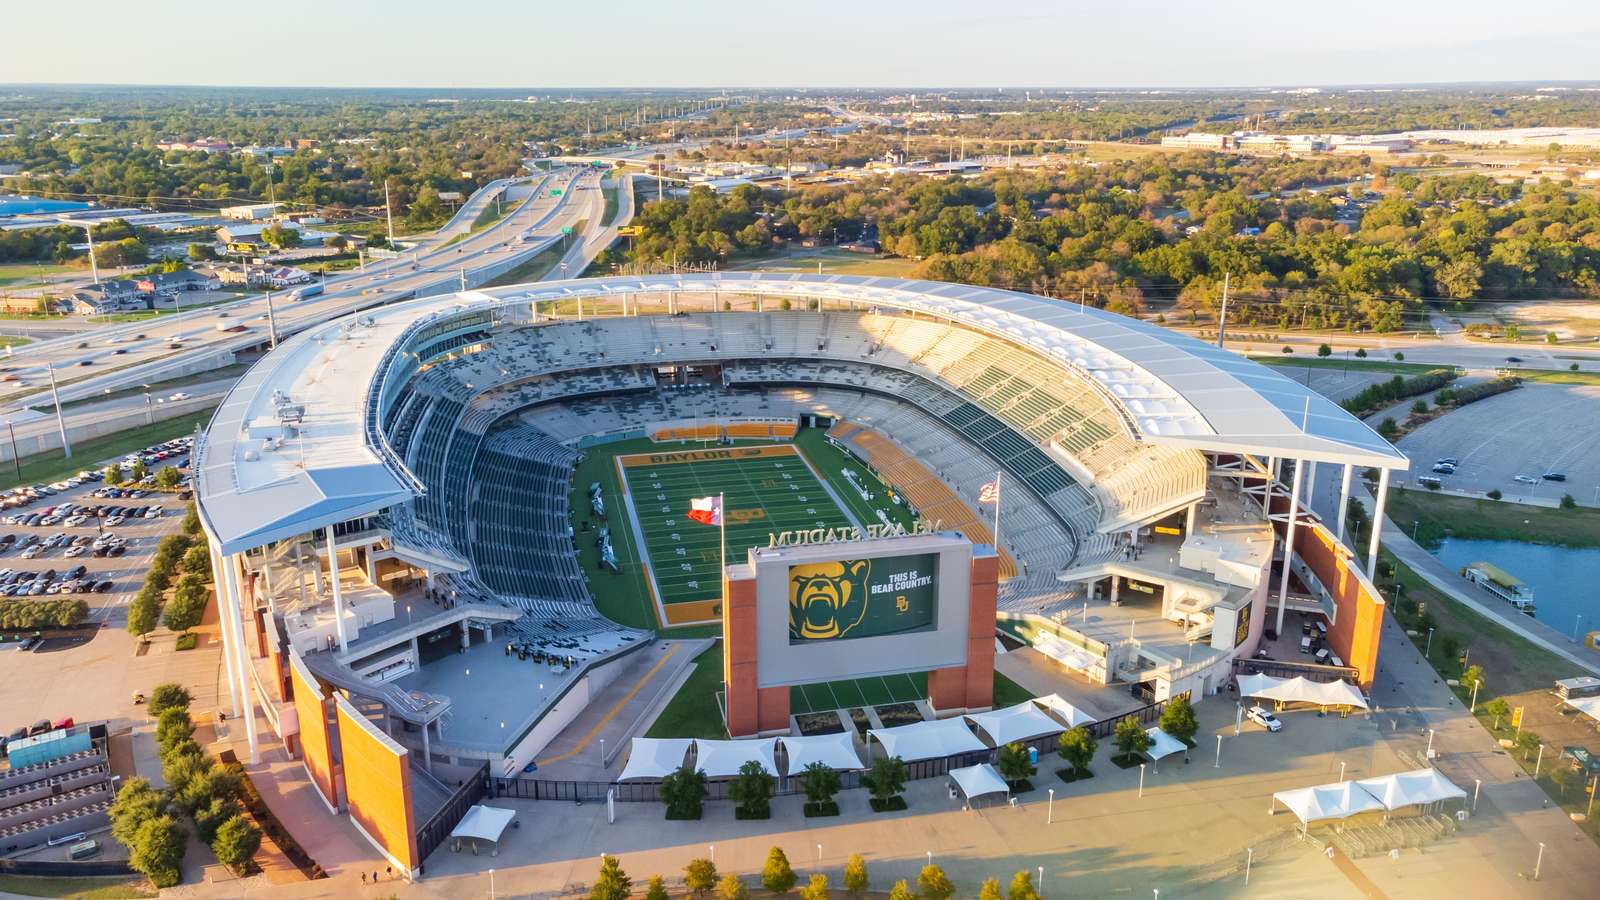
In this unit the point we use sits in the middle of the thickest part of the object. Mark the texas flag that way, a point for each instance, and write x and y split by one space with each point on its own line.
706 510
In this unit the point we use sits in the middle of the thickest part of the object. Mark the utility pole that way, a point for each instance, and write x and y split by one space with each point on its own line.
61 423
272 196
15 459
272 322
388 210
1222 321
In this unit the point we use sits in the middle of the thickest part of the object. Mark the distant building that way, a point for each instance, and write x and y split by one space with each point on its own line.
249 212
204 145
169 283
1197 140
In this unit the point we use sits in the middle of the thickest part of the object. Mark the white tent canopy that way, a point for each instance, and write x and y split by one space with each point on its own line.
1070 714
483 823
1415 788
1301 690
1589 706
1015 723
1327 801
655 757
975 781
836 751
722 759
1163 745
927 740
1070 655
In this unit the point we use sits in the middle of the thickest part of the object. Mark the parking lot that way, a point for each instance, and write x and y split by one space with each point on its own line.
81 539
1535 429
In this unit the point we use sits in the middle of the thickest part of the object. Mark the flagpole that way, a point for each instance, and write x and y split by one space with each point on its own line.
997 513
722 571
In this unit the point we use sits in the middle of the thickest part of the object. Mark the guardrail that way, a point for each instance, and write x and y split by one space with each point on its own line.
437 829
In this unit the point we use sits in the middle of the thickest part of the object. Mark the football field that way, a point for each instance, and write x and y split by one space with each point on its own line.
765 489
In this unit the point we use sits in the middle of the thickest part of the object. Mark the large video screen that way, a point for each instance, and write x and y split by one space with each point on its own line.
858 598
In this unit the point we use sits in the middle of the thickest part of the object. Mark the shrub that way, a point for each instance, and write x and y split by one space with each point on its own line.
1288 349
1178 719
208 819
700 876
1323 350
1013 763
157 851
137 803
612 883
816 888
777 875
990 889
32 614
901 891
933 884
1568 502
191 520
202 787
1361 353
1388 427
169 695
236 843
1494 494
657 889
173 727
1399 356
186 641
1419 407
855 874
1077 747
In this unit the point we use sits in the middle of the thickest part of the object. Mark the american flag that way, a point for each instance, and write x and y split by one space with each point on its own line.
990 493
706 510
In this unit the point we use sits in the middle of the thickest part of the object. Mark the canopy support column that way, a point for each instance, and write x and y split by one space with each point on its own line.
1288 542
1344 497
338 595
1377 523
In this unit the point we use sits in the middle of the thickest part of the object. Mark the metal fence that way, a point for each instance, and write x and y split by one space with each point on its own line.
64 869
650 791
1283 668
437 829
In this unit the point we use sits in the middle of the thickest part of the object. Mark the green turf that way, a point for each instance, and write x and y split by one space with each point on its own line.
620 596
693 712
762 494
110 888
870 691
44 468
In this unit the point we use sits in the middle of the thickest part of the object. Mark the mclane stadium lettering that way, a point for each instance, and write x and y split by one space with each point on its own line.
856 598
850 533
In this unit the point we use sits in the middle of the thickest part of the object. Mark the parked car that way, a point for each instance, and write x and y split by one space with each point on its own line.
1263 718
1554 476
1525 479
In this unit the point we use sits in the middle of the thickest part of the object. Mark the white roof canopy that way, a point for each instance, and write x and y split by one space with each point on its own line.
723 759
1070 714
1589 706
1163 745
836 751
1015 723
928 740
655 757
1070 655
1300 689
483 823
1327 801
1414 788
975 781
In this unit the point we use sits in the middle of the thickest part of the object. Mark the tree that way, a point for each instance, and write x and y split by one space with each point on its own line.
198 562
1563 777
168 477
855 874
731 888
816 888
990 889
236 843
139 470
1323 351
777 875
1178 719
1568 502
1494 494
202 252
1473 677
886 780
281 236
114 474
1497 707
612 883
820 782
700 876
752 791
143 615
901 891
933 884
157 851
684 792
1077 747
210 817
1130 737
1022 884
1288 349
1361 353
1014 764
1399 356
169 695
137 803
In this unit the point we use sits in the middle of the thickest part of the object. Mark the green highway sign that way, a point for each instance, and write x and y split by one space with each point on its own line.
555 192
566 229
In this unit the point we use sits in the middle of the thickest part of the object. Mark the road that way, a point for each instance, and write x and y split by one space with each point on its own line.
121 356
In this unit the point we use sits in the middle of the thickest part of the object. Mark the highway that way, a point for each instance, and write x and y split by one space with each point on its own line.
121 356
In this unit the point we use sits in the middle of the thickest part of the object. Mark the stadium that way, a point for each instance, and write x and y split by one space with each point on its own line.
446 524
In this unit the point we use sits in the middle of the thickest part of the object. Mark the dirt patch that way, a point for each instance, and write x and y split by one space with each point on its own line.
1571 319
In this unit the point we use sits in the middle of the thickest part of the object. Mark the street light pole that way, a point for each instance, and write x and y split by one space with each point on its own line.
1141 780
1427 651
1050 813
15 459
1218 763
1477 785
149 411
1430 743
61 422
1538 863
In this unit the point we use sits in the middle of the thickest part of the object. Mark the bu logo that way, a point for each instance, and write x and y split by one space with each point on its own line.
828 599
744 516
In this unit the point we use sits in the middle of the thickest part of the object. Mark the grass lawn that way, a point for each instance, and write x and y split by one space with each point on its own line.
538 267
44 468
21 274
612 204
621 596
1557 376
113 888
1301 361
7 340
693 712
1434 516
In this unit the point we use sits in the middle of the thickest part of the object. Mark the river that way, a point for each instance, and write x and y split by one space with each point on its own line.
1565 580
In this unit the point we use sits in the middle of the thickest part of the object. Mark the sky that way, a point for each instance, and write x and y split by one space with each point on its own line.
759 43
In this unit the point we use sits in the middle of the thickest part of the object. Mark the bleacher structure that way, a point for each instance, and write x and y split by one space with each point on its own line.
490 426
57 799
